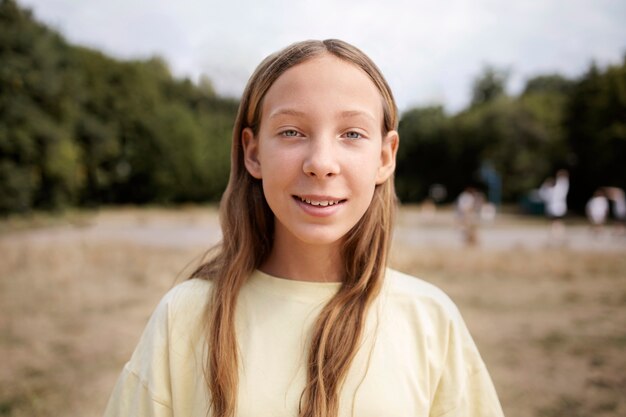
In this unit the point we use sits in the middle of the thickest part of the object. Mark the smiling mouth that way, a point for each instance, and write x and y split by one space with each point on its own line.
320 202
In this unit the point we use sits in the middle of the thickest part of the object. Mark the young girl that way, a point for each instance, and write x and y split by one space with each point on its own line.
296 314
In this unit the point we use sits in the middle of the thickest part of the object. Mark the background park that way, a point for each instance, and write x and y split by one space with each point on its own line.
111 170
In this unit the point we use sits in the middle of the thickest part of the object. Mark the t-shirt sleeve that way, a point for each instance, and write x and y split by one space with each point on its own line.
143 388
132 397
465 388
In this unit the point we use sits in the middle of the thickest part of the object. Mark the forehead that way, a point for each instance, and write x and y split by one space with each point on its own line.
324 85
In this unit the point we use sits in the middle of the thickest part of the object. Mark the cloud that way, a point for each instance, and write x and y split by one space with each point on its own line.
429 50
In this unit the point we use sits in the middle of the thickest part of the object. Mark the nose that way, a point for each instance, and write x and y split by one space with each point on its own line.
322 160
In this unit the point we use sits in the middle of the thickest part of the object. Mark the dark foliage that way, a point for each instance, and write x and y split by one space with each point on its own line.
78 127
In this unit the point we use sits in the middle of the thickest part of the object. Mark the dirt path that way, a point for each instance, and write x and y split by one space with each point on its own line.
506 232
198 228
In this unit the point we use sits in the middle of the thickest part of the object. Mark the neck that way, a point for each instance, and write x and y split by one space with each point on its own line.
305 262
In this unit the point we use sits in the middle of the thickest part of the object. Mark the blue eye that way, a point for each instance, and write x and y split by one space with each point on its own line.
290 133
353 135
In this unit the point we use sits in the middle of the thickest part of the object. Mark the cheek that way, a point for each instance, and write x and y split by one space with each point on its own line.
368 175
366 165
280 171
364 184
277 161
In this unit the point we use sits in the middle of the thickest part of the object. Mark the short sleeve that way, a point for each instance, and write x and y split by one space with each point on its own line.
143 388
465 388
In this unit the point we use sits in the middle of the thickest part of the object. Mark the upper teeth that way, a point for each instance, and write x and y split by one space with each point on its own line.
319 203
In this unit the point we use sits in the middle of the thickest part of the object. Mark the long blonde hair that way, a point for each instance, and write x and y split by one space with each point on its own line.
248 233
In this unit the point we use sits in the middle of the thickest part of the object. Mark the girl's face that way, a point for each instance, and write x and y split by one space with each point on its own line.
320 150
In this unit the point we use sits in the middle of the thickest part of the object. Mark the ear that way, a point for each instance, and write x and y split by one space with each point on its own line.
388 156
250 144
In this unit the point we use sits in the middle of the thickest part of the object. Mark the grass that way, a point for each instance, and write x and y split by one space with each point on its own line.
73 301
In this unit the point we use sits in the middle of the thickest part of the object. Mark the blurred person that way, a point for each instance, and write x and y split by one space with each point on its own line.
295 313
488 212
553 192
597 209
468 210
436 194
618 200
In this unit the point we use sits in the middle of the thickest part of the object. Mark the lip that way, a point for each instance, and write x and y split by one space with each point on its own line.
319 211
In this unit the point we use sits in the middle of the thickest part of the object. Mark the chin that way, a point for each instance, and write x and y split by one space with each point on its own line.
319 236
321 240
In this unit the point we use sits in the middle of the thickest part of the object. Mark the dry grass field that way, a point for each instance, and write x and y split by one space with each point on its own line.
76 291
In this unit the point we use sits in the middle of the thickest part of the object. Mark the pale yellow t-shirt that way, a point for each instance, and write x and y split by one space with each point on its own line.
417 357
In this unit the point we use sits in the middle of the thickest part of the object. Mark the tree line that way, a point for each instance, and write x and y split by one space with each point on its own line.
554 123
79 128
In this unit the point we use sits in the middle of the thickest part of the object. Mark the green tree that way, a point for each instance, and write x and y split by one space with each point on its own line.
424 156
39 159
522 138
77 126
548 84
596 131
489 85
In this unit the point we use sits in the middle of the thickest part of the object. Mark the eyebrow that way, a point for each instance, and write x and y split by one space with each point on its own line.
287 112
357 113
344 114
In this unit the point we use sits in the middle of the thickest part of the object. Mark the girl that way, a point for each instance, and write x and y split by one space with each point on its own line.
295 314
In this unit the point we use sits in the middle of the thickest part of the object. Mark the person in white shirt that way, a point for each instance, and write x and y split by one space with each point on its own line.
597 209
553 192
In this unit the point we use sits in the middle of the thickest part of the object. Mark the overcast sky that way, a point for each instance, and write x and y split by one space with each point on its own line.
429 50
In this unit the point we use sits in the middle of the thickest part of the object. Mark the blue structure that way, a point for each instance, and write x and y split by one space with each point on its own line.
492 179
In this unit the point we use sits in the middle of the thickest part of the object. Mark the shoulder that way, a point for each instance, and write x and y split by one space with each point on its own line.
188 295
462 386
434 317
417 304
407 289
182 308
179 311
176 320
166 350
